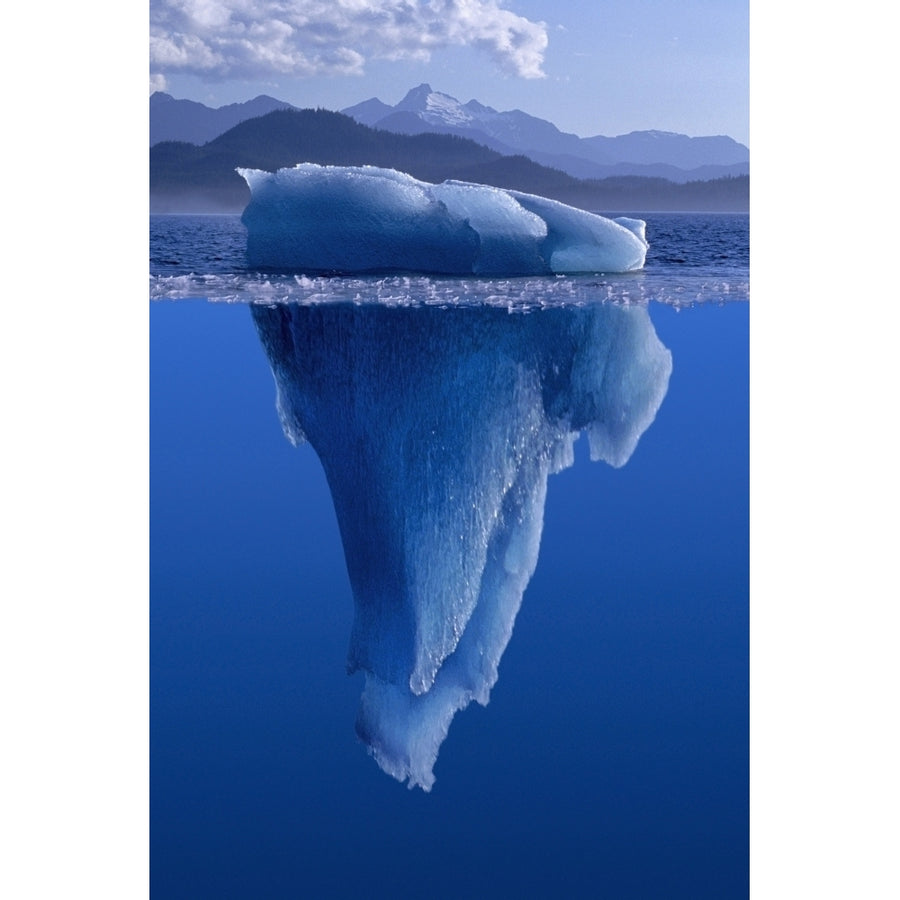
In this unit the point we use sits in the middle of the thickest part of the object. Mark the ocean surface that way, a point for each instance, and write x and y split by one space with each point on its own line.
613 757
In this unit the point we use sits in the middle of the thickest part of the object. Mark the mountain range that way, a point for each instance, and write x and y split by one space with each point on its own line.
196 123
655 154
662 154
186 177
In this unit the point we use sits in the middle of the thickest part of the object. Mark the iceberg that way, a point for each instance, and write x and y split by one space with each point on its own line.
333 219
437 430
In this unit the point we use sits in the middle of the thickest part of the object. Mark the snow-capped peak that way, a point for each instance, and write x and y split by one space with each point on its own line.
434 107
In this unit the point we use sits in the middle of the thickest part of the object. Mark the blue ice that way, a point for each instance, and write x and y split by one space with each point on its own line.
313 218
437 430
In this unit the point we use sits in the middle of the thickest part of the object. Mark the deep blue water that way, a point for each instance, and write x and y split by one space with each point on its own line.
612 760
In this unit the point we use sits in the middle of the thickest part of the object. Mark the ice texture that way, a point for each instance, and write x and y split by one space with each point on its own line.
314 218
437 430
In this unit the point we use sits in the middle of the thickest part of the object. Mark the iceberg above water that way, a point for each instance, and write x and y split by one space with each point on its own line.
437 430
334 219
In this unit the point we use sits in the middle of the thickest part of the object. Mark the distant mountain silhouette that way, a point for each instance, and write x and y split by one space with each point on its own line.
185 177
369 111
660 154
196 123
650 153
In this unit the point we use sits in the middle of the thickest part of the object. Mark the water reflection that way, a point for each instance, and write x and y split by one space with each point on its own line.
437 430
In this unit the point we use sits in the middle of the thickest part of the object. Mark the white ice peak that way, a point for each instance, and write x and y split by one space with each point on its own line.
435 108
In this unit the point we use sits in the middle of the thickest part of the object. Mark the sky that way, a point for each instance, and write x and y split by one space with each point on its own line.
605 67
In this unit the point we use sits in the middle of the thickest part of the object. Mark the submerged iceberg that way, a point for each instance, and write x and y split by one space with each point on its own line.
437 430
315 218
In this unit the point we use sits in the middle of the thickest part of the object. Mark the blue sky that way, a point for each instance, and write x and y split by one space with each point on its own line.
591 68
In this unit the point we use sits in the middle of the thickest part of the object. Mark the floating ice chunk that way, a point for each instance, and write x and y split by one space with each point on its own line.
437 430
315 218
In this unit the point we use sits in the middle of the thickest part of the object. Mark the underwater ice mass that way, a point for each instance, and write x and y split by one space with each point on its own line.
437 430
316 219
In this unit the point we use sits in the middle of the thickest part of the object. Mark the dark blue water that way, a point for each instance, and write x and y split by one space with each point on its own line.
612 760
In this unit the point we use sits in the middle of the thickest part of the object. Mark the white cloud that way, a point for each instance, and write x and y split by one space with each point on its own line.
158 83
259 38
